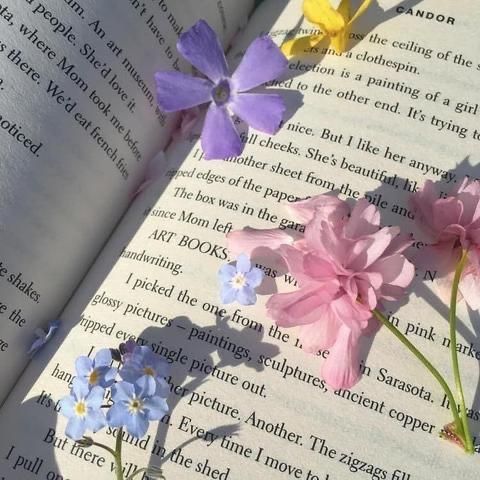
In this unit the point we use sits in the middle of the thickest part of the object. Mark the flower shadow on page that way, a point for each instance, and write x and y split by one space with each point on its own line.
188 382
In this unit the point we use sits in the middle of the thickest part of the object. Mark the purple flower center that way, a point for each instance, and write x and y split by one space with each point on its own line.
221 92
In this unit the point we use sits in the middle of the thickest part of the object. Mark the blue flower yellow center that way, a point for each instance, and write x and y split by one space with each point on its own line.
149 371
135 406
93 377
80 408
238 281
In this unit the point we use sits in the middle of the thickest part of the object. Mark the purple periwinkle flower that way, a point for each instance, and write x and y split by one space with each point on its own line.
143 363
135 405
239 282
43 337
83 409
263 61
97 371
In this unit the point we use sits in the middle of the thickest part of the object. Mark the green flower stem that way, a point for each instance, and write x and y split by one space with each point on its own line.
118 455
108 449
453 350
426 363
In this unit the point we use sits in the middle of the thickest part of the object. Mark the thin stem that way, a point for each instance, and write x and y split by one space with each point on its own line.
426 363
118 454
453 350
108 449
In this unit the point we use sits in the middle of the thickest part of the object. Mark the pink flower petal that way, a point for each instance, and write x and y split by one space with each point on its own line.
321 237
294 259
248 239
323 207
422 203
300 307
470 289
364 220
395 270
441 257
319 335
318 268
446 211
350 312
398 244
368 249
341 369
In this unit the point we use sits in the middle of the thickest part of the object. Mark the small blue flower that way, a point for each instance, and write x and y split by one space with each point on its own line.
83 409
97 371
144 363
42 337
135 405
239 282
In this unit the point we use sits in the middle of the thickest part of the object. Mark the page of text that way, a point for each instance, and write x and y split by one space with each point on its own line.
246 402
78 124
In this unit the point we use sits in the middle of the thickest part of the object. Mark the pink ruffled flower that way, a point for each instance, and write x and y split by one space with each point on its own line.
345 264
453 225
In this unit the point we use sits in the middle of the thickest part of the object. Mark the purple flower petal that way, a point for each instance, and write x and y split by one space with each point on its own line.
137 425
163 389
75 428
80 388
103 358
83 366
116 415
246 296
122 392
67 406
36 346
263 61
156 408
95 421
201 47
226 272
254 277
219 137
177 91
95 397
243 263
263 112
145 386
228 294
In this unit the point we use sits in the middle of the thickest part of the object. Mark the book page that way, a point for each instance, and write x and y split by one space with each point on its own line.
78 124
246 401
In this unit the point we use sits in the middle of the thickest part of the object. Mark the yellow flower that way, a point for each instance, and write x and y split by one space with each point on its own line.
335 24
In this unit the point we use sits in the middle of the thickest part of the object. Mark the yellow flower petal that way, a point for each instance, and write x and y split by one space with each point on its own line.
361 10
324 15
344 10
339 42
301 45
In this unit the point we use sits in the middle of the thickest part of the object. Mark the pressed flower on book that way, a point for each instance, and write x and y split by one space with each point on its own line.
334 26
346 265
225 93
134 400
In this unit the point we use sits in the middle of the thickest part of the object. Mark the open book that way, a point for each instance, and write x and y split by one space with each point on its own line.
79 123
